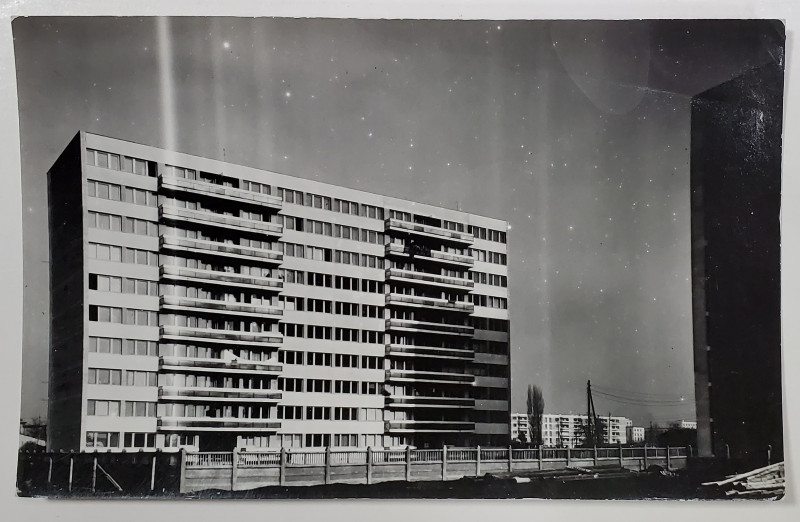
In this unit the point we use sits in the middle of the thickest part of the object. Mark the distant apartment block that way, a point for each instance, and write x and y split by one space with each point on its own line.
567 431
203 305
683 425
635 434
519 424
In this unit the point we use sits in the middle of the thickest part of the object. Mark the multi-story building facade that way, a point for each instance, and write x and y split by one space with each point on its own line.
520 424
568 431
203 305
635 434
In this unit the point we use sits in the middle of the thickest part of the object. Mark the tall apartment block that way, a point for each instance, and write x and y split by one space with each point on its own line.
202 305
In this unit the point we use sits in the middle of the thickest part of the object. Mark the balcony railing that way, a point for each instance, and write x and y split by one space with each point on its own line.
204 188
418 426
428 376
197 393
429 302
226 337
430 352
457 283
210 219
446 258
227 250
418 401
197 275
193 304
216 424
197 364
392 224
407 325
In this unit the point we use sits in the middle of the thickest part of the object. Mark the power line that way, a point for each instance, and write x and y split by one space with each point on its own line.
635 394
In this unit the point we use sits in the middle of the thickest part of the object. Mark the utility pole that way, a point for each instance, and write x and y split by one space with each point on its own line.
591 417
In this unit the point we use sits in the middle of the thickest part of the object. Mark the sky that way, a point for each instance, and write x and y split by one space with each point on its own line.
576 133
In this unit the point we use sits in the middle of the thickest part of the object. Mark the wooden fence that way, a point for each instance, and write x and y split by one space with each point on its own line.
242 470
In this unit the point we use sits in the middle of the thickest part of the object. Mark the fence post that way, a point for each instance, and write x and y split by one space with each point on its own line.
69 486
94 472
50 471
510 456
369 464
327 464
234 467
645 456
619 447
595 455
153 475
668 458
727 452
444 462
478 462
568 456
182 477
282 473
769 454
540 456
408 463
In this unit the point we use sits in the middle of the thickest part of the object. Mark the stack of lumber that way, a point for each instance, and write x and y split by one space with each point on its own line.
767 482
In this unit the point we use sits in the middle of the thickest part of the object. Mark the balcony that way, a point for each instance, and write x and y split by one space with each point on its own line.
429 231
234 195
213 306
398 275
415 301
419 426
405 376
196 393
224 366
218 249
419 401
216 424
209 219
221 337
225 279
408 325
444 258
428 352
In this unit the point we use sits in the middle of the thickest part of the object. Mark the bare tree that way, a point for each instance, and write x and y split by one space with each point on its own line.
535 411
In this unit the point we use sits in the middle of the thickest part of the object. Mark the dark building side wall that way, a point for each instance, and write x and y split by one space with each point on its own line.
736 182
65 189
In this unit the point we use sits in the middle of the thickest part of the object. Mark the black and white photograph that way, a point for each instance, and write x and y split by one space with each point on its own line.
338 258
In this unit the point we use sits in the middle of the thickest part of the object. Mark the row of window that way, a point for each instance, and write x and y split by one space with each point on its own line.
122 346
197 205
122 193
301 304
121 377
338 360
497 325
107 160
124 285
332 256
115 314
490 235
487 256
330 281
119 254
489 279
489 301
324 228
339 413
311 331
125 224
308 199
104 408
296 384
